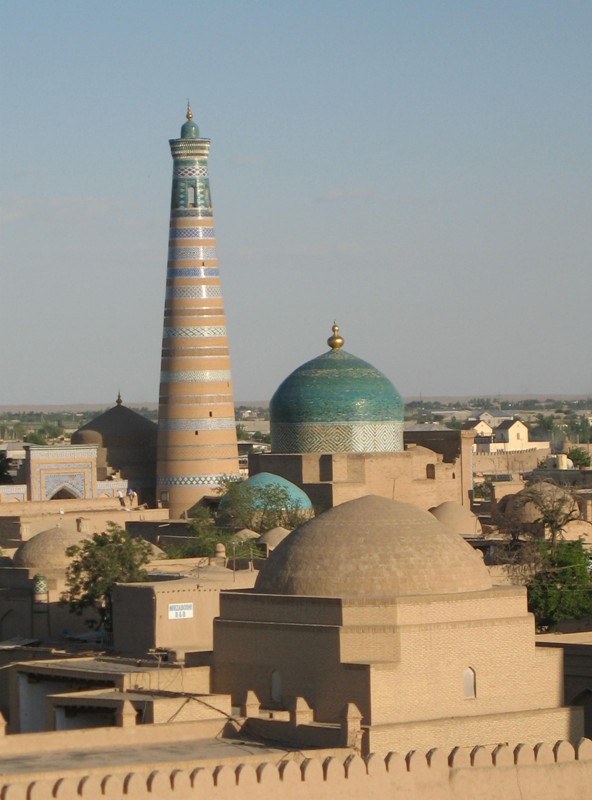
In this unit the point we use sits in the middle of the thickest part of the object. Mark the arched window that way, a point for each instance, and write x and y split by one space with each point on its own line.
469 684
276 686
431 471
191 203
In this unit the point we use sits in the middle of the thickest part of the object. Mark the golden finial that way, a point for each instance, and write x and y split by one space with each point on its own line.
335 341
189 114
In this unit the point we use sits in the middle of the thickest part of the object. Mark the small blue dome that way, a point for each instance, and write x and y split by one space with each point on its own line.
189 129
296 497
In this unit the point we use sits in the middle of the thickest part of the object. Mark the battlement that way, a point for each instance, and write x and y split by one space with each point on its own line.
501 771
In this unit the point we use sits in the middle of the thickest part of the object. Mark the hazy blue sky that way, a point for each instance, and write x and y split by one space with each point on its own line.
419 170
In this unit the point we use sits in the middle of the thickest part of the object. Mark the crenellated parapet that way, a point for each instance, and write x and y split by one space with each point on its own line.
487 772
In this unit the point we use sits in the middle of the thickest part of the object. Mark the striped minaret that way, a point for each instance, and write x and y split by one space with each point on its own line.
196 425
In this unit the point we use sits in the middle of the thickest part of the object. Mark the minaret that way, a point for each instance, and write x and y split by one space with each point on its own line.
196 424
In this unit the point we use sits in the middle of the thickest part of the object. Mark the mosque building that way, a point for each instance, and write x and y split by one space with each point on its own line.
372 657
336 427
358 665
196 426
106 474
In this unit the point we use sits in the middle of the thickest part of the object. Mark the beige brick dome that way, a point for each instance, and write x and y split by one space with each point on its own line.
47 550
274 536
373 547
458 518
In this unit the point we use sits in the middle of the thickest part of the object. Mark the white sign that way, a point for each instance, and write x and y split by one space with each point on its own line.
180 610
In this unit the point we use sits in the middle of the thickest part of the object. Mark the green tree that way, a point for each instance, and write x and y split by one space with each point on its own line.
36 437
561 587
241 433
579 457
5 476
257 507
97 565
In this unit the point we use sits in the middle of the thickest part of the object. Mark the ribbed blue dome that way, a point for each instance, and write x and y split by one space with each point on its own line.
189 130
336 403
336 387
295 496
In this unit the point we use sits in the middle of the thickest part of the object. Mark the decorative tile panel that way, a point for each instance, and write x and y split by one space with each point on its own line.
363 437
47 453
193 272
53 481
15 490
192 233
187 212
190 172
194 253
200 330
207 424
194 375
196 480
202 292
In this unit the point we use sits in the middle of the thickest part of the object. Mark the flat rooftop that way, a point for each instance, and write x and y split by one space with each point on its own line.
86 760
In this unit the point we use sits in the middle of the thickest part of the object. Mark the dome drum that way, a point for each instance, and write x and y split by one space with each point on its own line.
345 437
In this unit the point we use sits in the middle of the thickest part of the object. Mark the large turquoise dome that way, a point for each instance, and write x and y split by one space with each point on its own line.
336 403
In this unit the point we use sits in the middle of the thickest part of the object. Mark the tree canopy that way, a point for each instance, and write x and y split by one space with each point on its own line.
98 564
561 588
579 457
258 508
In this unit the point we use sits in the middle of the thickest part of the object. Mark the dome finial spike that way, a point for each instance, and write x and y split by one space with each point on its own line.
335 341
189 114
119 401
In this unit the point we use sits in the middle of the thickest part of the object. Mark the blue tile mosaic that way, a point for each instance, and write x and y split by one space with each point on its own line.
193 272
207 424
201 330
194 375
193 253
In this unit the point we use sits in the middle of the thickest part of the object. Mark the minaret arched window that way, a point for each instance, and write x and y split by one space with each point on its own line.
469 683
191 195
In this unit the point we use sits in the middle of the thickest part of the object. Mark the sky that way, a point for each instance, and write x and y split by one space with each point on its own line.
419 171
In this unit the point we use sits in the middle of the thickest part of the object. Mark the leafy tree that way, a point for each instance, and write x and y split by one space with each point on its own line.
5 476
579 457
97 565
561 587
259 436
483 491
541 510
36 437
257 507
53 431
554 505
241 433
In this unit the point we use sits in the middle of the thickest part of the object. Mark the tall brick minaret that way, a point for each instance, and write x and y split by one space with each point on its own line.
196 424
